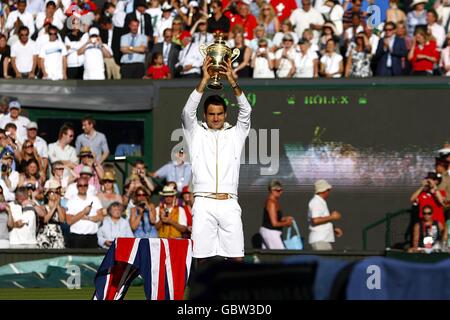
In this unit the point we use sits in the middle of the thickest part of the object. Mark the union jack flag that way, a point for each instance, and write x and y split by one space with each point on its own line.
164 265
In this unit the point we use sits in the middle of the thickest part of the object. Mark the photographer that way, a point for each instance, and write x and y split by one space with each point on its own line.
9 176
143 215
171 220
138 178
95 51
429 195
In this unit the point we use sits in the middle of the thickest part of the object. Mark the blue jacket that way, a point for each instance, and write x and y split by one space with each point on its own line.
399 51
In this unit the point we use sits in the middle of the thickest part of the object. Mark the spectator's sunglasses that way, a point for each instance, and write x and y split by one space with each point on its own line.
28 146
23 34
141 194
52 33
88 156
82 185
53 192
278 190
389 29
427 213
59 168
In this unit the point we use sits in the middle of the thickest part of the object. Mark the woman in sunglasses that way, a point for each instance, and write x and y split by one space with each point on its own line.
50 235
273 220
143 215
28 152
427 233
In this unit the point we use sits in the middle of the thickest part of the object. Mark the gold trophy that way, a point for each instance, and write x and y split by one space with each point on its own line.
219 52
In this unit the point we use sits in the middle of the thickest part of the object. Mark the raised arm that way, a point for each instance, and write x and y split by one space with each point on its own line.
189 114
243 120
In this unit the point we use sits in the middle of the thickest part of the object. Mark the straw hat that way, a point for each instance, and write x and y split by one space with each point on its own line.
108 176
168 191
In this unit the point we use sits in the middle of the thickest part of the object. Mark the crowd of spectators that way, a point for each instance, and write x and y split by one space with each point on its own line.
59 196
64 39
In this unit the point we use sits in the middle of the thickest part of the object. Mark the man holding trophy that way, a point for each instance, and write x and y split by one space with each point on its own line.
215 150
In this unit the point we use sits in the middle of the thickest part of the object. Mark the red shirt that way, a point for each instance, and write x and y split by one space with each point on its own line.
188 215
158 72
428 49
248 24
283 8
427 199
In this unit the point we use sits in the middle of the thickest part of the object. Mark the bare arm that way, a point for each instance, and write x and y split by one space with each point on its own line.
322 220
272 211
71 219
246 60
348 67
135 217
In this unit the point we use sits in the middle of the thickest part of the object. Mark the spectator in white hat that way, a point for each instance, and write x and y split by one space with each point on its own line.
321 229
95 52
39 144
14 116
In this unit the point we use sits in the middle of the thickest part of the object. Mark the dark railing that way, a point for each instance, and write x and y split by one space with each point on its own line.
386 220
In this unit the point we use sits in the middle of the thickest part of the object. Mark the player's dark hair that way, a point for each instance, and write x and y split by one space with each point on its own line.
214 100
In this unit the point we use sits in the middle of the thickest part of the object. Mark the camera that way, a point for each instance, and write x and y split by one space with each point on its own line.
31 186
166 212
4 168
142 205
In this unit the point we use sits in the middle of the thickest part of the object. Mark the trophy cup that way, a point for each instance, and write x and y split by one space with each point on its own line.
219 52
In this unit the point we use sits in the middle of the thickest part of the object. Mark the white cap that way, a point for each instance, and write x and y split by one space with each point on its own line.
193 3
321 186
94 31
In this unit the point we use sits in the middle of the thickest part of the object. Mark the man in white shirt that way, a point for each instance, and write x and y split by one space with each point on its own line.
307 18
39 143
61 150
18 18
48 17
14 116
190 58
95 51
53 57
24 55
23 234
84 212
437 31
321 230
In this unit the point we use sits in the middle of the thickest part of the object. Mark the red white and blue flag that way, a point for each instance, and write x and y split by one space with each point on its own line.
163 264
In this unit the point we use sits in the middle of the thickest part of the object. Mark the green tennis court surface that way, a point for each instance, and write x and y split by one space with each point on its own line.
134 293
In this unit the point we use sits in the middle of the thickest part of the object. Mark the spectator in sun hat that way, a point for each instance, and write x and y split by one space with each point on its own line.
39 144
417 16
87 160
108 195
171 220
14 116
165 22
321 230
85 173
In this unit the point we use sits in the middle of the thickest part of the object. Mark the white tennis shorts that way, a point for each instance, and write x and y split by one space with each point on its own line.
217 228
